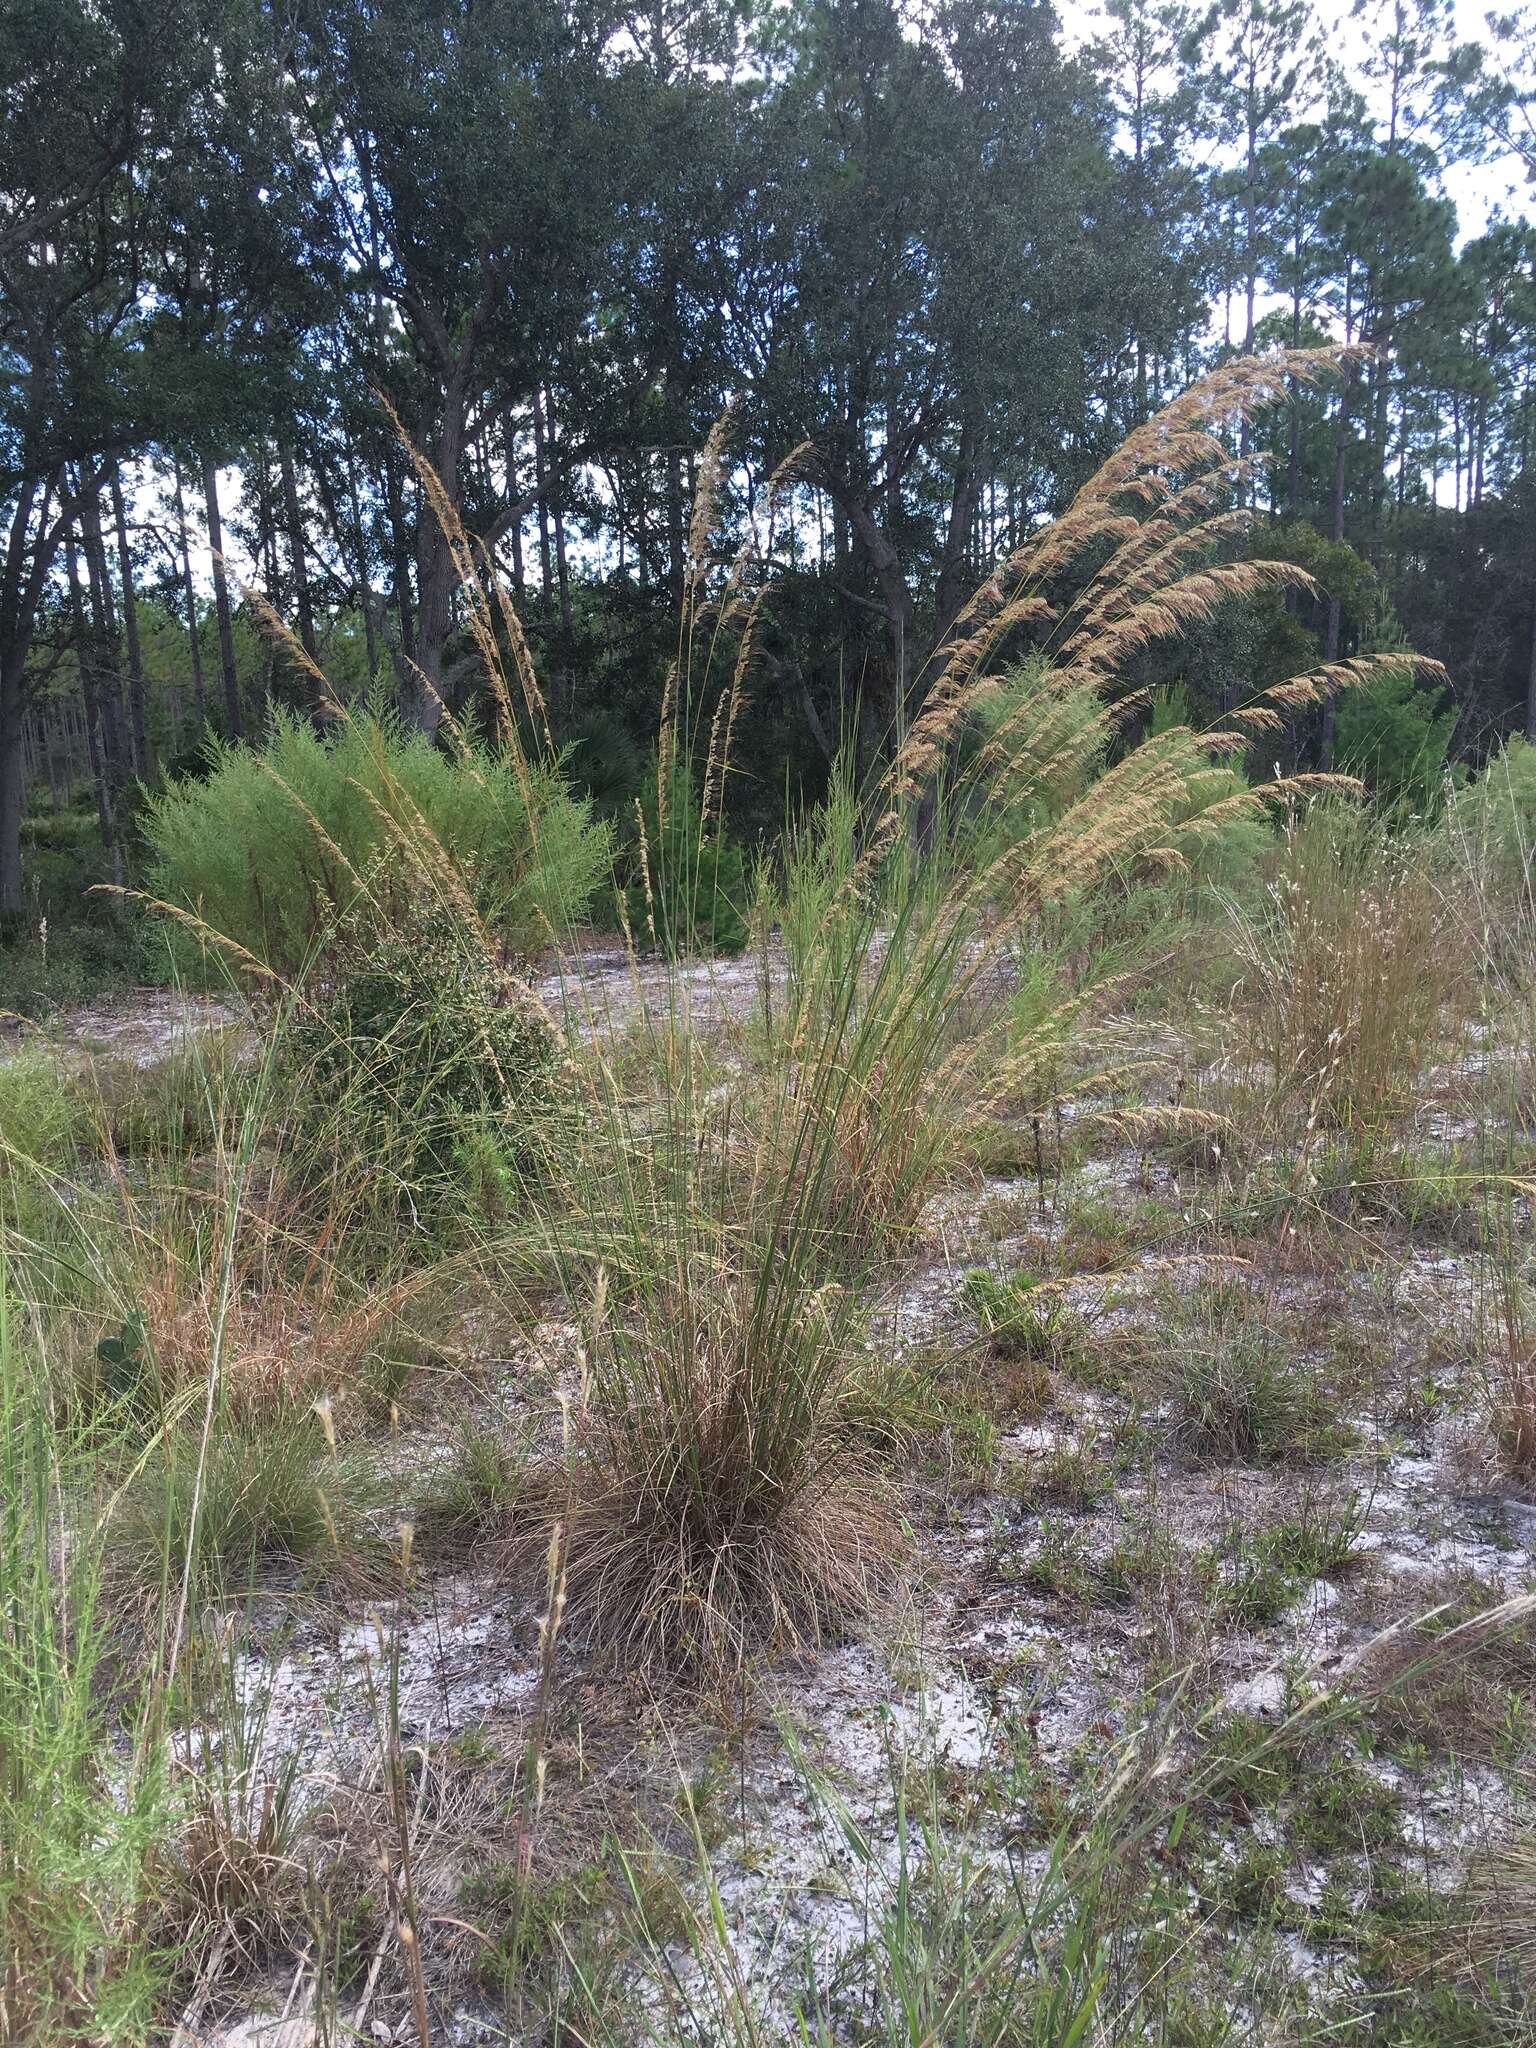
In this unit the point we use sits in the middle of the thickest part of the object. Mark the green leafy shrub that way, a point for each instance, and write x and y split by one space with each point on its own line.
1220 843
1395 735
688 889
605 766
419 1068
278 842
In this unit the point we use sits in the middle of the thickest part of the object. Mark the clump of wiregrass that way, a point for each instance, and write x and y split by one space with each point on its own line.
1493 1936
231 1882
718 1492
147 1276
714 1499
1022 1315
251 1502
1233 1384
1455 1679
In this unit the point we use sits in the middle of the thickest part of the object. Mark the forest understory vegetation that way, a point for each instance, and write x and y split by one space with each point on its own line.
933 1443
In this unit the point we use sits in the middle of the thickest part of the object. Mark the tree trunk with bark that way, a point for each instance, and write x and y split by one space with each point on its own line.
189 597
294 521
227 670
137 735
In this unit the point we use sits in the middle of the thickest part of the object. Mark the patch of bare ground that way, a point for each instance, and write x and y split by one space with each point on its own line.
140 1028
1234 1458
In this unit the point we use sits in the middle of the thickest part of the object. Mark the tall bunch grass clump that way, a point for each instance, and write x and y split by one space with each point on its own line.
688 892
276 844
722 1486
1351 970
1489 842
76 1839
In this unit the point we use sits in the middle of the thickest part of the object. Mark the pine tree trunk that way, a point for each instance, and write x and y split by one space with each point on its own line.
136 731
352 541
189 594
12 780
541 487
295 524
436 577
515 531
1335 618
95 750
221 599
676 566
562 572
108 674
394 498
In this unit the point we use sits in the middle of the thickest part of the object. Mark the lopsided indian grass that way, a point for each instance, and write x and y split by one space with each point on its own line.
1351 980
719 1494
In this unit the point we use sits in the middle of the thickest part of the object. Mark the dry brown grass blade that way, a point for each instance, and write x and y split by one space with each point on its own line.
277 629
231 948
522 655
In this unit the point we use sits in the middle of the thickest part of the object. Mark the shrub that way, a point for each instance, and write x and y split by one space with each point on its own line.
1395 736
421 1071
605 766
277 844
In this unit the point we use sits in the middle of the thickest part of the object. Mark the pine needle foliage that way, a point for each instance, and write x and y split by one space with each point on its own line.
276 844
